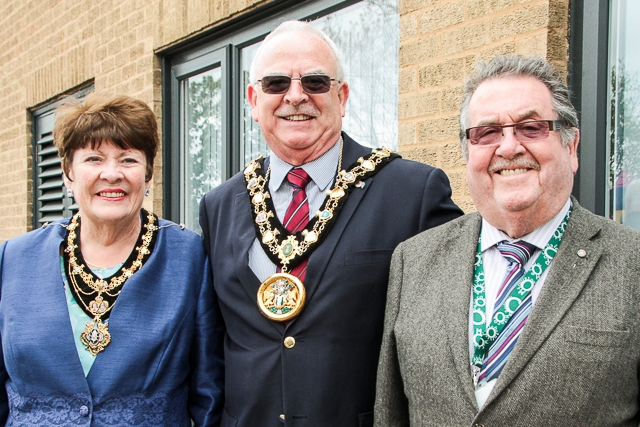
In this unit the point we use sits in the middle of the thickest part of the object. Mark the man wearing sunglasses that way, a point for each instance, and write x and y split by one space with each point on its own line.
300 244
526 312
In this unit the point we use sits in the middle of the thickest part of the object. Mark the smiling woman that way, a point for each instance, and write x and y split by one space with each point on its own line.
124 299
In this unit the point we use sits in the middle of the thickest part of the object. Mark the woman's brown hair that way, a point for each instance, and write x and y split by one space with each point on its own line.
124 121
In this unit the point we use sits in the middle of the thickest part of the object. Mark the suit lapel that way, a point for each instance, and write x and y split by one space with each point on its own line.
243 224
319 259
568 275
455 305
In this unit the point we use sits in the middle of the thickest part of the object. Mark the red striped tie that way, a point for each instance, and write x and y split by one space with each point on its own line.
297 216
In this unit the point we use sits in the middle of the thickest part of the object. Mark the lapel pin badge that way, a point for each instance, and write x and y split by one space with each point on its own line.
582 253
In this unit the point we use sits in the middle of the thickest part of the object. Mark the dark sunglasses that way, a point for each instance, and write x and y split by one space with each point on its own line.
535 130
311 83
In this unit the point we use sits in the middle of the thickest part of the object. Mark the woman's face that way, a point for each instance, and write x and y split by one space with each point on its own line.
108 183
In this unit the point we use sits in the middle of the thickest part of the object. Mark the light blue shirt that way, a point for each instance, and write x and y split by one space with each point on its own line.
79 318
322 171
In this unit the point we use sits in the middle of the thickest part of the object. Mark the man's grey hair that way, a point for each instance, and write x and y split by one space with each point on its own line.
296 27
516 66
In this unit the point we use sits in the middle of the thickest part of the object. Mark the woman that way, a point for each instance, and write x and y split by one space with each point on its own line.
108 318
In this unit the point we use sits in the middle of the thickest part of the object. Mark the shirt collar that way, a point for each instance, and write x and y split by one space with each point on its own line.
321 170
491 236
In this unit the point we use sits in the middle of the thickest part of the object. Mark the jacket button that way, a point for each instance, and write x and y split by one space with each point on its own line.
289 342
84 411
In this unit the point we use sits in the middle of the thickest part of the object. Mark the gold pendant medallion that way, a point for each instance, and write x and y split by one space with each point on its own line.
95 336
281 297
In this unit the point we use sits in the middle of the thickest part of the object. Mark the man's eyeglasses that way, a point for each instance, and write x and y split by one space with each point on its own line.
534 130
311 83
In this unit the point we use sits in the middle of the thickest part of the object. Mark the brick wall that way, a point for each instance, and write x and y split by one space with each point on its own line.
49 48
440 42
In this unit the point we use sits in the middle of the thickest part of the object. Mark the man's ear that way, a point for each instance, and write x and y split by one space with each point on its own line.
252 96
343 95
573 151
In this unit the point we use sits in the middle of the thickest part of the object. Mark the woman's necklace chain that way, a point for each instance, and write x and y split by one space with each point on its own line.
96 335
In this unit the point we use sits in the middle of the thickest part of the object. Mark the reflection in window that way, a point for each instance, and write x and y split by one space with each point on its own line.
252 142
203 141
624 126
367 34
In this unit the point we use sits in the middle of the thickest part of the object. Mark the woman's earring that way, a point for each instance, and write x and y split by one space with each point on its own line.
69 193
146 193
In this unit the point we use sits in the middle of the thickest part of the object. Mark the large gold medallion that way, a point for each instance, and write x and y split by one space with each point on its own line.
281 297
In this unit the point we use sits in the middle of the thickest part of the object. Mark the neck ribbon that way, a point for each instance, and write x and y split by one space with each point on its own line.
483 336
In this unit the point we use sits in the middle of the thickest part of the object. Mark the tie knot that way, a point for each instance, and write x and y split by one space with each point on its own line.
298 178
518 252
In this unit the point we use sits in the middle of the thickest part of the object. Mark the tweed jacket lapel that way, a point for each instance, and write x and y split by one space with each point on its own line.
568 275
456 305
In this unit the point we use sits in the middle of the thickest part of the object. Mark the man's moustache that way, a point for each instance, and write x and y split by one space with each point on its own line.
514 164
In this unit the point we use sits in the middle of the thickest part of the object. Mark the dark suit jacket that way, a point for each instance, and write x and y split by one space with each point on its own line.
328 377
576 361
164 363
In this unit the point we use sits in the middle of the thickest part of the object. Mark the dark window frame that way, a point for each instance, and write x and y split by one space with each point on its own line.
588 57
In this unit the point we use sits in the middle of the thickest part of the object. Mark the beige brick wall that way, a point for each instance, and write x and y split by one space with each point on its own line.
50 48
440 42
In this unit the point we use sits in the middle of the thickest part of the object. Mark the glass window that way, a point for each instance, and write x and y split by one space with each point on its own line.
624 113
203 140
212 132
251 139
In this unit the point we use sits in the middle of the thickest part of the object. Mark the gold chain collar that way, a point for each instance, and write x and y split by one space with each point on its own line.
287 249
96 335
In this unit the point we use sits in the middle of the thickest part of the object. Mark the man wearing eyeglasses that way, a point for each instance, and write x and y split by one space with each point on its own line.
526 312
300 244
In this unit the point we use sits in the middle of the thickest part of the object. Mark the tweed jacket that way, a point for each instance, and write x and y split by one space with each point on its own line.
328 377
163 366
575 363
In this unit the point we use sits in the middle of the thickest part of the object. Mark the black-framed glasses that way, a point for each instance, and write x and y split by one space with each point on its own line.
311 83
534 130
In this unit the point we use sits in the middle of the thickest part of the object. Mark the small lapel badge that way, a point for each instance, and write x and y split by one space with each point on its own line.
582 253
360 184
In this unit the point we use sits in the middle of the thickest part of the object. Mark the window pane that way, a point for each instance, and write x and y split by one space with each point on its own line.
367 34
624 90
364 32
251 139
202 141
